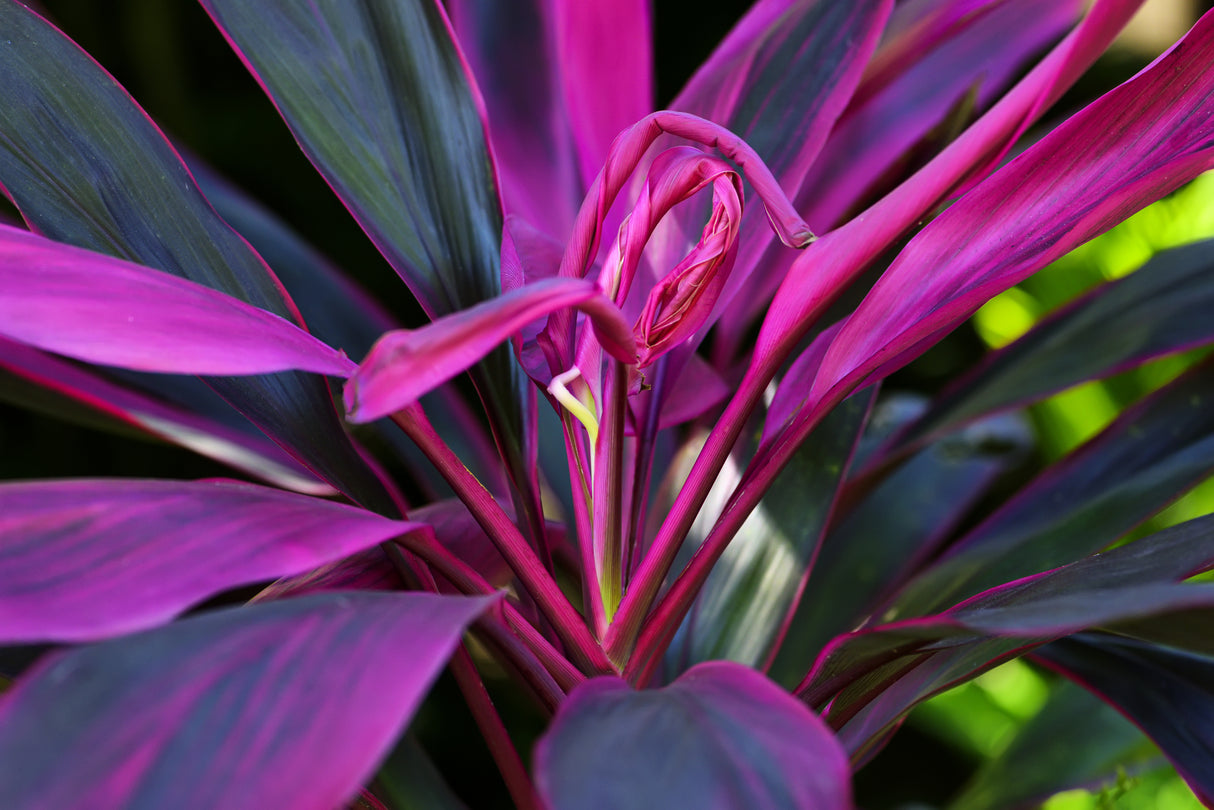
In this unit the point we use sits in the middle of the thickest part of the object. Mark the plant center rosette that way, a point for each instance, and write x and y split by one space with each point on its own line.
591 362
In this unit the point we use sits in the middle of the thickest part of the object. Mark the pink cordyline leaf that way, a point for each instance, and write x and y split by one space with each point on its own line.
105 310
1129 148
284 704
745 85
537 163
817 276
606 70
721 736
405 364
82 560
914 83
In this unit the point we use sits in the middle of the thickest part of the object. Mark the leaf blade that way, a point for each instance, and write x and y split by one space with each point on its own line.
90 559
722 736
158 718
377 96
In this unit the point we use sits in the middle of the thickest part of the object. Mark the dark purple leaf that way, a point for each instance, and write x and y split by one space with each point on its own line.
89 559
45 383
335 309
1161 308
889 533
742 608
342 314
87 167
721 736
284 704
1166 691
377 96
882 672
1150 455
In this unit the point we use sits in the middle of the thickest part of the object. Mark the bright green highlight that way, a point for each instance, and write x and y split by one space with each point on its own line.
983 714
1157 790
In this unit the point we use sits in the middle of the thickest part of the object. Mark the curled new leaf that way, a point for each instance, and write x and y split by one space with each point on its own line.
405 364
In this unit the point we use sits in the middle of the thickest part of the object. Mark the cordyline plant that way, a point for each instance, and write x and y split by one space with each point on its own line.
682 520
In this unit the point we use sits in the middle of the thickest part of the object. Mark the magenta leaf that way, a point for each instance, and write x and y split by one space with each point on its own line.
284 704
1127 149
67 390
378 97
721 736
87 167
606 67
405 364
1166 691
537 163
104 310
956 55
89 559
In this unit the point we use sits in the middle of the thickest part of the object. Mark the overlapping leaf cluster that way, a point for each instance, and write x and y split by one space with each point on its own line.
675 325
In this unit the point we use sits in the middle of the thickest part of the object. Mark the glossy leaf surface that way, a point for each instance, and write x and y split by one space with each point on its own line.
377 96
721 736
1153 451
1158 309
94 558
214 710
1166 691
87 167
103 310
743 605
